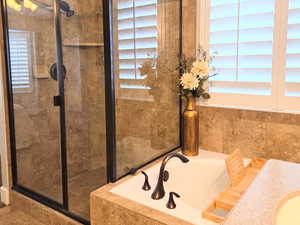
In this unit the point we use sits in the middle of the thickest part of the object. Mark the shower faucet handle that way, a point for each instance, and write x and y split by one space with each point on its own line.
146 185
56 100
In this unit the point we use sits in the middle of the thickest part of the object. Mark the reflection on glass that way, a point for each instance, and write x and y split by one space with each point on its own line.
31 45
147 117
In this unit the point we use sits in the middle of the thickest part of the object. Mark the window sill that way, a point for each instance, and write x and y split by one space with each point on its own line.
142 99
250 109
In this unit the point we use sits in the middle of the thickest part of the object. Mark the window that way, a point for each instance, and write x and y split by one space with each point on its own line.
256 44
137 39
21 60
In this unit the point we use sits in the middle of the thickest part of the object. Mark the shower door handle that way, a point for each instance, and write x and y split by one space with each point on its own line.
57 100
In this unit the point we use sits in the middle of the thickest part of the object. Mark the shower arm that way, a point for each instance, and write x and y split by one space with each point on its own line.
50 8
43 5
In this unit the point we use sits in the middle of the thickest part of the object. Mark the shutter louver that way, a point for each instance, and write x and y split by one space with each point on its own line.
292 76
20 60
137 37
242 35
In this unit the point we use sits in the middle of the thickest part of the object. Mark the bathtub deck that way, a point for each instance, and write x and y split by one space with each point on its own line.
116 199
260 202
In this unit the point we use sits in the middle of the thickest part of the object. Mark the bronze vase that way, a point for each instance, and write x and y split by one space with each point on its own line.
190 128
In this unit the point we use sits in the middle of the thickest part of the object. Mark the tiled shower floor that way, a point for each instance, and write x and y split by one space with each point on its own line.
80 188
9 216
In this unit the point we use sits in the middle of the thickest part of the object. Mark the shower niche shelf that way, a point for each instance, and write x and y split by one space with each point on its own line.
84 44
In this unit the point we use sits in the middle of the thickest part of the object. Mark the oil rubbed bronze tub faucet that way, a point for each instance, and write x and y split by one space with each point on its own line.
159 191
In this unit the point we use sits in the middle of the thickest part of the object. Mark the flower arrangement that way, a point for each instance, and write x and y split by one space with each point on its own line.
195 76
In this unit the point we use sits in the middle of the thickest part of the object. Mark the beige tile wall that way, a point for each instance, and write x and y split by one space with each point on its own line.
254 133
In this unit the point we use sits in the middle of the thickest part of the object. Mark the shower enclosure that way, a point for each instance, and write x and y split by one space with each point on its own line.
58 100
85 106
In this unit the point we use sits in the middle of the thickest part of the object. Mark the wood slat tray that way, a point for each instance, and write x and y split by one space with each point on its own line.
240 179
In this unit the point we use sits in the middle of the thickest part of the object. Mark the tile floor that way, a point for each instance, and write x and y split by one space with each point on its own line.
80 188
9 216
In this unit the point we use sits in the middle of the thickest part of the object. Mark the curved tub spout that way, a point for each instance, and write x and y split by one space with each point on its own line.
159 191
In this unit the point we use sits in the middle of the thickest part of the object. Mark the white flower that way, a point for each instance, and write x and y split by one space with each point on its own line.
200 68
189 81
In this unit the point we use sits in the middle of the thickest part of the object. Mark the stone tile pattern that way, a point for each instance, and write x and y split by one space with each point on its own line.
255 133
189 27
260 202
110 209
8 216
39 212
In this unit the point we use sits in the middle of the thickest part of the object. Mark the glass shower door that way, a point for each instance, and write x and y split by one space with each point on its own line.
38 165
83 54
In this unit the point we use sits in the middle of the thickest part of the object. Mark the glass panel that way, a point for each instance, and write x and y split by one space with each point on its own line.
147 104
85 102
32 52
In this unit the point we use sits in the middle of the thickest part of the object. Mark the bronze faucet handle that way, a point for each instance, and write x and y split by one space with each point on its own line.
146 185
171 203
166 176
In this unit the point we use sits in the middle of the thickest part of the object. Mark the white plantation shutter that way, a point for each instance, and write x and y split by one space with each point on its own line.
258 51
20 59
292 75
242 34
137 38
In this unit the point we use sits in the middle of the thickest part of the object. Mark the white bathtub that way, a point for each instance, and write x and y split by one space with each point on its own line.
198 182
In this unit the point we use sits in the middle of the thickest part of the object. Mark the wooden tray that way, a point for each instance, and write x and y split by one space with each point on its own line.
240 179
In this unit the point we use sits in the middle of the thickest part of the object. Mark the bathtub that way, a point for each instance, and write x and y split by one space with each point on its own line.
198 182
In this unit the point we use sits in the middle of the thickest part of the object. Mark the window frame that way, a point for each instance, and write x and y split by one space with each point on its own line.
276 100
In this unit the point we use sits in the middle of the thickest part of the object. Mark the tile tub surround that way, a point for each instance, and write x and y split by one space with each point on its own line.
260 202
263 134
109 206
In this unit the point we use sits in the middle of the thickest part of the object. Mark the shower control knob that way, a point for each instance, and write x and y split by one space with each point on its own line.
53 71
146 185
171 203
